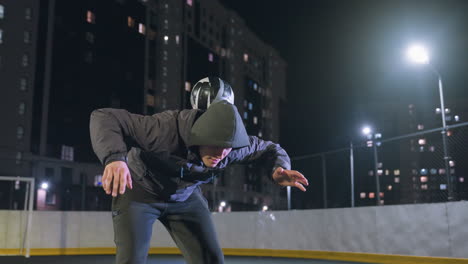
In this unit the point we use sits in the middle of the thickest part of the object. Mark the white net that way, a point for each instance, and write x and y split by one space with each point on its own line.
22 235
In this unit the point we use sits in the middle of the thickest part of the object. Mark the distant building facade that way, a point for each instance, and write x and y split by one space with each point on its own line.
144 56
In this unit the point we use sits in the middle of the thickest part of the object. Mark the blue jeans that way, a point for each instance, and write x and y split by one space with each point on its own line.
189 223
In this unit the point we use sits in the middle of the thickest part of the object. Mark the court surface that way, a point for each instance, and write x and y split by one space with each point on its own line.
163 259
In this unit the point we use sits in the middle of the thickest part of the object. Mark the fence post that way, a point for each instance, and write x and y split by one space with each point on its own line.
324 176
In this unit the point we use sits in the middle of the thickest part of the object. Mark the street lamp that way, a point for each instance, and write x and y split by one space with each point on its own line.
367 131
420 55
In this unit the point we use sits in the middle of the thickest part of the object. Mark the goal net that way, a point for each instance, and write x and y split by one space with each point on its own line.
23 219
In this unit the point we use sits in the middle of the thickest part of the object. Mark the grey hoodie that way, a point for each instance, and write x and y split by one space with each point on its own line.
162 150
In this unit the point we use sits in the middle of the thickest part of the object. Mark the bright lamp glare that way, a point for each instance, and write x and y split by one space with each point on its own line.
366 130
223 204
418 54
45 186
265 208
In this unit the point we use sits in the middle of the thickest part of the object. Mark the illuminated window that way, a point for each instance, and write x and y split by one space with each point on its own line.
437 110
27 37
370 173
150 100
68 153
260 134
422 141
447 110
452 163
379 172
449 133
98 180
189 2
19 157
21 108
382 195
28 13
166 39
431 148
457 118
433 171
461 179
141 29
255 86
130 21
397 179
2 11
25 60
210 57
421 149
90 17
255 120
177 39
441 171
396 172
387 172
423 186
246 116
423 179
371 195
389 187
363 195
246 57
420 127
443 187
379 165
166 24
423 171
19 132
188 86
23 84
250 106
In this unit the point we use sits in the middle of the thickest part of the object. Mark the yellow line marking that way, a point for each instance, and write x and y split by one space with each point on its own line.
283 253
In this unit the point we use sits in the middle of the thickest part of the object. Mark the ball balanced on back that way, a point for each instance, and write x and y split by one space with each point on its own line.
210 90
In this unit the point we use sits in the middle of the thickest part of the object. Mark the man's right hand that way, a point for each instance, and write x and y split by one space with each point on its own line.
116 177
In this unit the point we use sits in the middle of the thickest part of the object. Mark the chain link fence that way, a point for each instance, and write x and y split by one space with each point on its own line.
401 170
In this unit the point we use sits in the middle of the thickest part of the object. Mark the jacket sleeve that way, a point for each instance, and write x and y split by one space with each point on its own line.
114 131
273 154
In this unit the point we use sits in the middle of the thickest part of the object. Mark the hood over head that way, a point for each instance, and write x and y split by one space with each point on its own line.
220 126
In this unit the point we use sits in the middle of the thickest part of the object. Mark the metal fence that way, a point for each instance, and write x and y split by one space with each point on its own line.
405 169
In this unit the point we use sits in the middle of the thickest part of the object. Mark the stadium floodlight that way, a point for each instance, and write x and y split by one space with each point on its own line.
418 54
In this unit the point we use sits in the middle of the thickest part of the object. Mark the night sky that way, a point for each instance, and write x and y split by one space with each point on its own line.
345 58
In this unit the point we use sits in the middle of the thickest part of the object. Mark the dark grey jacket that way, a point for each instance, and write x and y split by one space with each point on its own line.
158 150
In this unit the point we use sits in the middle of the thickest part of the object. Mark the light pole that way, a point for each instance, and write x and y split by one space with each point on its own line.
419 54
351 167
373 136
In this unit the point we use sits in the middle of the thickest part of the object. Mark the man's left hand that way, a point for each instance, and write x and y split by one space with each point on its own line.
290 178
